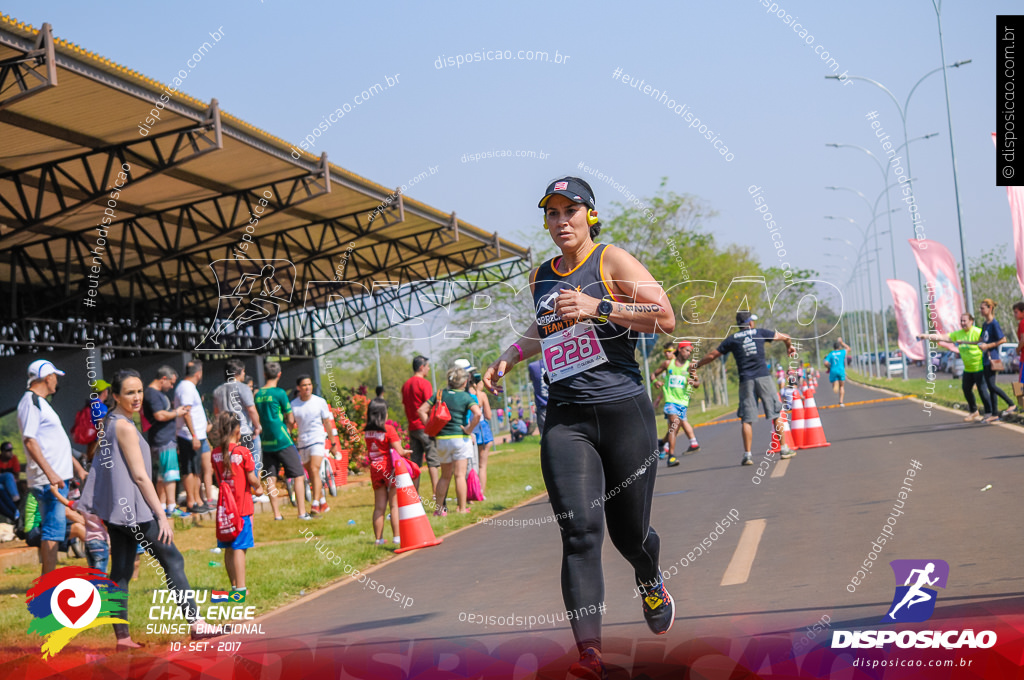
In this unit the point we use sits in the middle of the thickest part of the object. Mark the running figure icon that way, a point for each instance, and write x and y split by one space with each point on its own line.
251 308
916 595
255 299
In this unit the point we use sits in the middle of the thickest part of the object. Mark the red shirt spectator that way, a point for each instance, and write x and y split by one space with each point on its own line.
415 391
241 464
13 466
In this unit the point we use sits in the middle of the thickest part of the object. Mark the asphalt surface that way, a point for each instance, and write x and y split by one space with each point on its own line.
817 515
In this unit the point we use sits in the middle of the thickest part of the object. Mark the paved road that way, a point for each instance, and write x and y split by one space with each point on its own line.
816 516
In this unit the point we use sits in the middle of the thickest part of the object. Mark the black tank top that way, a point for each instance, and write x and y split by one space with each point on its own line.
614 380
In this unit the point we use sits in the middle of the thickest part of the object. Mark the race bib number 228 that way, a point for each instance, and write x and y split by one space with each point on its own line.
572 351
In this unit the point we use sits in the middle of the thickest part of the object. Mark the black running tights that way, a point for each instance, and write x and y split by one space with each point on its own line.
599 463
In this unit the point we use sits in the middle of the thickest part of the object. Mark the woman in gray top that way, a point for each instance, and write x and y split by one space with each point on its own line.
121 493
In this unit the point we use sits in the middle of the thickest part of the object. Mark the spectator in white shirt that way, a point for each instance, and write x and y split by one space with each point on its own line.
194 462
314 419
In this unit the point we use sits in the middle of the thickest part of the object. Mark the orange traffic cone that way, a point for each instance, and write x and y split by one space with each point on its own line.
413 525
787 436
797 417
814 434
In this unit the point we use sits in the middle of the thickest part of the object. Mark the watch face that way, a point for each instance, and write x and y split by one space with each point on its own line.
604 308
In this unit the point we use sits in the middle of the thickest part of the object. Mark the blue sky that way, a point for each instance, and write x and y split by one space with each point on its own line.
282 66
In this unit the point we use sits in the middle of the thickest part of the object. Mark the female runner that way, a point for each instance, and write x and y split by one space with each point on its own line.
599 447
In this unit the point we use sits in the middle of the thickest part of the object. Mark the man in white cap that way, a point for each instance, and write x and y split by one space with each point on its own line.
50 463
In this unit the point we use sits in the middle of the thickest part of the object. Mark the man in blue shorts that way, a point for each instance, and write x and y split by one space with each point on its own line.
835 362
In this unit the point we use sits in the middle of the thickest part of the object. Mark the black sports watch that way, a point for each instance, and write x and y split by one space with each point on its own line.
604 308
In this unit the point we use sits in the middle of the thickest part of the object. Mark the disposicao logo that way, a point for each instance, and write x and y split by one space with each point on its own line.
914 602
69 600
915 575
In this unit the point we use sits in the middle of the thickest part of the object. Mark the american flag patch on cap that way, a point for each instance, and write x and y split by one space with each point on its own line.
561 186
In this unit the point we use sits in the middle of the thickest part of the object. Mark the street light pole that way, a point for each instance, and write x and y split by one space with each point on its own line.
889 211
937 5
902 110
874 326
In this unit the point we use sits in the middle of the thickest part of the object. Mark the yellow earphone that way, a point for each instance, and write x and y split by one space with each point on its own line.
592 219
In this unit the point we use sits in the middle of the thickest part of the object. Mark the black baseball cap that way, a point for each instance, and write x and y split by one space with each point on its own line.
6 446
743 318
573 189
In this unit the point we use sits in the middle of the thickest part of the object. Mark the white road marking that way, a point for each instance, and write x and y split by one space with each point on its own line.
738 570
780 468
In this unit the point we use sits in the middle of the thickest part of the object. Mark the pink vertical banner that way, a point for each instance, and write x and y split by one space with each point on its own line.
1016 197
945 296
908 318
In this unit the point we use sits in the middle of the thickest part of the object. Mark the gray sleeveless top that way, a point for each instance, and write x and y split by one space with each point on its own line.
110 492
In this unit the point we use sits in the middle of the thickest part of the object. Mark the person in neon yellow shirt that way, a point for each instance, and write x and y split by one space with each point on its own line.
677 389
966 340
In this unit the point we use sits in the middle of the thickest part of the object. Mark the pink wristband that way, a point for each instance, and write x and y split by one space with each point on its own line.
518 349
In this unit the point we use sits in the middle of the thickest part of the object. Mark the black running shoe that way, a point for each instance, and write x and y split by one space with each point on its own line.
589 667
693 447
673 461
659 608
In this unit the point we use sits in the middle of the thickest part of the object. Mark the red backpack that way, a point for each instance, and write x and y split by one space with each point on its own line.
84 431
229 521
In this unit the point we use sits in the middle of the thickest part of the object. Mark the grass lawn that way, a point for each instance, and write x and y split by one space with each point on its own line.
282 566
947 389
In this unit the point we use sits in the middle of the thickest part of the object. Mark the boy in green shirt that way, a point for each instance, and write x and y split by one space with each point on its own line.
275 410
677 389
966 339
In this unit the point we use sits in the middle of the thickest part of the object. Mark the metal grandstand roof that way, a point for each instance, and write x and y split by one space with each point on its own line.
69 123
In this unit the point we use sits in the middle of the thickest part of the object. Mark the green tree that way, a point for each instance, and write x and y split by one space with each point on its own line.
994 275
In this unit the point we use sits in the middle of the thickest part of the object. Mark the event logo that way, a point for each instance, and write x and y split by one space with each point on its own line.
913 602
251 295
67 601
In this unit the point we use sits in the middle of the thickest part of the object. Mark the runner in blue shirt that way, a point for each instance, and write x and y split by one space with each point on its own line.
835 362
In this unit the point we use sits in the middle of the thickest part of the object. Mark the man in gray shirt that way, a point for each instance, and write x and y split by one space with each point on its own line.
235 396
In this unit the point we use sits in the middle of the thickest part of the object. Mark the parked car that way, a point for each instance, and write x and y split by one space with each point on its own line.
956 366
1013 360
1007 351
894 365
944 361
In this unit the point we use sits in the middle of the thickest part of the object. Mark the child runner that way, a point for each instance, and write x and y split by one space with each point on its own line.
381 438
677 389
241 475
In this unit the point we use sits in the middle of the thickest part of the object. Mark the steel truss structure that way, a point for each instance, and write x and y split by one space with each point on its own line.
109 231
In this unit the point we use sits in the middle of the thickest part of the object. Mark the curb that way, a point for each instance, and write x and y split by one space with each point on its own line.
935 405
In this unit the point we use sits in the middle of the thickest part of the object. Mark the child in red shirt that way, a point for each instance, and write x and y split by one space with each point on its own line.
381 438
241 475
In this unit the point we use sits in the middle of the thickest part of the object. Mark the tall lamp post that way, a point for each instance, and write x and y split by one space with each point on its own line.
878 265
888 206
865 234
902 109
937 5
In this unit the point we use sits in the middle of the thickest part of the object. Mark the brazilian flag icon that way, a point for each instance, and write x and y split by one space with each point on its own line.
237 596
